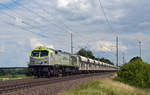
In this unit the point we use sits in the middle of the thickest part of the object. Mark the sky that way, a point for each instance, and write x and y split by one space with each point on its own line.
26 24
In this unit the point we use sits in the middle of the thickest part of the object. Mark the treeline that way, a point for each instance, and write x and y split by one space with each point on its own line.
5 72
136 72
89 54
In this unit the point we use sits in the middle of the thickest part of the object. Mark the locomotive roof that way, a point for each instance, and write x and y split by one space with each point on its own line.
45 48
60 51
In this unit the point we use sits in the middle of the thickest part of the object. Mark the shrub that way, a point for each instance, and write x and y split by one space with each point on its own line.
27 73
136 72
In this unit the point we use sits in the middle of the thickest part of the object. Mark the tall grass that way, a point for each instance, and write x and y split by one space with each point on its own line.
106 87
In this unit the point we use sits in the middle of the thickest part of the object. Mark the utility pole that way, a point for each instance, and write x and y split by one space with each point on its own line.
140 48
71 41
123 57
117 51
71 44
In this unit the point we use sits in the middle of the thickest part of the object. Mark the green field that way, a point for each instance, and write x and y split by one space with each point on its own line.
13 77
107 87
11 74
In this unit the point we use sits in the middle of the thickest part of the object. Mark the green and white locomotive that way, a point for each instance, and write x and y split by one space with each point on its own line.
49 62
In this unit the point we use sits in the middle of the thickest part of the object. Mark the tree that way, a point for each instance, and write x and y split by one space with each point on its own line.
136 58
86 53
136 72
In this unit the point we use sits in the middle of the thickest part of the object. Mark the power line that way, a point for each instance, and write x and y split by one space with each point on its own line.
21 22
27 30
107 20
39 34
44 18
32 26
16 12
67 28
28 18
23 27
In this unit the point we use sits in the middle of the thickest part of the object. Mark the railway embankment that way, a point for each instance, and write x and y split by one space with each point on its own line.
136 73
14 73
54 87
107 86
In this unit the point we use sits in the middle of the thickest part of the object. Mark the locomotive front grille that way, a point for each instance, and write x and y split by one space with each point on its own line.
39 61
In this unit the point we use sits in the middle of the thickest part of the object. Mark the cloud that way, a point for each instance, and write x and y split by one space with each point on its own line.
18 21
35 43
107 46
5 1
144 24
63 3
117 14
82 5
2 48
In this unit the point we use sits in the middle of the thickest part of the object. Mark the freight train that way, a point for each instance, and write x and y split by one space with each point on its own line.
49 62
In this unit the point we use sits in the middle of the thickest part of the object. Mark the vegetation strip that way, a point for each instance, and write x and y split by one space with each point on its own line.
136 72
106 86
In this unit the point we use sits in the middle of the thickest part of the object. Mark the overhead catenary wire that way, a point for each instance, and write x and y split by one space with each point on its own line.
17 13
27 30
49 13
23 27
26 23
32 26
41 16
107 20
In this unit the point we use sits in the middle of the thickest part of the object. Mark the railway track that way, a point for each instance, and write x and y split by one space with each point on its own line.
15 85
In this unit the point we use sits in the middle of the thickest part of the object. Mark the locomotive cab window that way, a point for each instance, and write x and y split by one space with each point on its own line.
44 53
56 52
35 53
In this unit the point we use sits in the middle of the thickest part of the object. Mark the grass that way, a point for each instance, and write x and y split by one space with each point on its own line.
12 77
107 87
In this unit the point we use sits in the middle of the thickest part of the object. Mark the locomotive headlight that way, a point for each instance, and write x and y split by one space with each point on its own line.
45 61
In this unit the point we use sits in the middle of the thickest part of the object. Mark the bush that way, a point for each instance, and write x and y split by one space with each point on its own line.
136 73
27 73
5 72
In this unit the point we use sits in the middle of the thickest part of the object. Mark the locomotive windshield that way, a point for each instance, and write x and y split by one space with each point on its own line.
35 53
42 53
